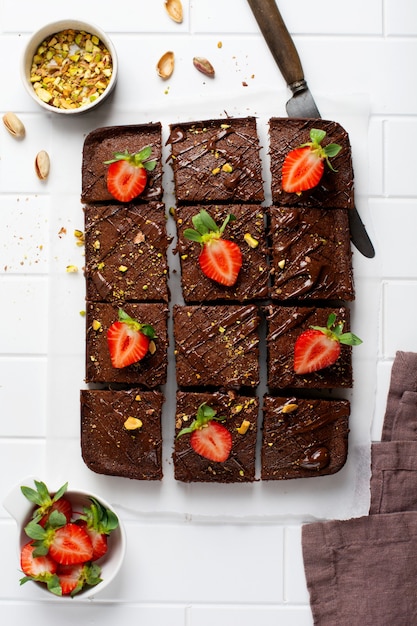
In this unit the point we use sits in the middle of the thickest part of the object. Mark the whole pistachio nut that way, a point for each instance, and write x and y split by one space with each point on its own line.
14 125
42 165
174 10
204 66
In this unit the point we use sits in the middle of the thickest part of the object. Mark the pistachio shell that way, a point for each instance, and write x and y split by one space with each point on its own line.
42 165
174 10
165 65
14 125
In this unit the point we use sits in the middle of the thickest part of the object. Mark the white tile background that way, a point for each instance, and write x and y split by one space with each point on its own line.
236 574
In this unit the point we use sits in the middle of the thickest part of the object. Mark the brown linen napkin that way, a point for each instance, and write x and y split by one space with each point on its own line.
404 424
363 571
403 378
394 477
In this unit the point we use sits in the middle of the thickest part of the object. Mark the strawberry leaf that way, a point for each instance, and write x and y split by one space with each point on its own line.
350 339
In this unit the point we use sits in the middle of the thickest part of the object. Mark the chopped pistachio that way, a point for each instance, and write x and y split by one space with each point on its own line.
96 325
152 347
133 423
227 168
243 428
289 408
251 241
281 264
72 269
122 268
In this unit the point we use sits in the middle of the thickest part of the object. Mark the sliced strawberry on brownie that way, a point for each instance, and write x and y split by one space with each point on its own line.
98 522
319 347
209 438
127 174
128 340
303 167
220 259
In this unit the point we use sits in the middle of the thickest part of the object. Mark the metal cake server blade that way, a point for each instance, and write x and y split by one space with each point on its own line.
301 104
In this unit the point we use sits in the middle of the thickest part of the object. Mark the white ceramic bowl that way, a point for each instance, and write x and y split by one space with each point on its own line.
21 509
49 30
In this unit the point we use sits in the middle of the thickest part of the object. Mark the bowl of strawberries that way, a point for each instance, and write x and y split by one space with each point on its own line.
71 543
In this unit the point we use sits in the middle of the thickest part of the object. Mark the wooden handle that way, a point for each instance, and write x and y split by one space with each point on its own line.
279 41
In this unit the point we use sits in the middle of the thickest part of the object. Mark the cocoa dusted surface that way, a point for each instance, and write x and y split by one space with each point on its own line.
151 371
284 325
253 279
217 346
201 149
100 146
240 466
126 253
310 440
335 189
108 447
311 254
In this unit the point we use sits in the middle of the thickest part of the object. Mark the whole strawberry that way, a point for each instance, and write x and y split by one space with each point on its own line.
209 438
303 167
128 174
319 347
220 259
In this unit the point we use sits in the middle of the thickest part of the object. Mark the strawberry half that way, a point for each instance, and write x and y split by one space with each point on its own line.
128 340
319 347
220 259
65 542
39 568
209 438
127 174
73 578
47 503
98 522
303 167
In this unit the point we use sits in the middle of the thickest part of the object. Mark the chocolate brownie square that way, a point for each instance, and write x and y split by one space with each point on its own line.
240 415
121 432
248 232
216 161
335 189
151 371
303 438
100 146
310 254
285 324
126 253
216 346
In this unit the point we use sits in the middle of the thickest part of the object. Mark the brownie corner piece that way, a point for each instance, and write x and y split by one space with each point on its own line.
121 432
303 438
336 188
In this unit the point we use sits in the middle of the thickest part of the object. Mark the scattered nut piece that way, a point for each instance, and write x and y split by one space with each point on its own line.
251 241
152 347
96 325
132 423
165 65
289 408
243 428
281 264
79 235
14 125
204 66
227 168
72 269
42 165
139 237
174 10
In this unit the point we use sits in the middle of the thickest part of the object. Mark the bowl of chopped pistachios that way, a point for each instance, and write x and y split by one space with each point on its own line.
69 67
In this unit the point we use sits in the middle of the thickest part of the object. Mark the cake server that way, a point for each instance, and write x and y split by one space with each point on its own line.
301 104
